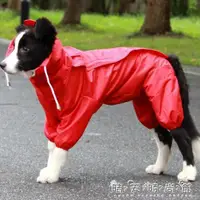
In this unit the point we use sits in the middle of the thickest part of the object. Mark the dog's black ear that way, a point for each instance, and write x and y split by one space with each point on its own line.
44 29
20 28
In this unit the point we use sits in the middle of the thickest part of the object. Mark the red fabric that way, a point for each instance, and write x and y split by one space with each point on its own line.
29 22
10 47
84 80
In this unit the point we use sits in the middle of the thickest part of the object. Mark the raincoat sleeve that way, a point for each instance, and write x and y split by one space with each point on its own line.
162 88
73 125
50 128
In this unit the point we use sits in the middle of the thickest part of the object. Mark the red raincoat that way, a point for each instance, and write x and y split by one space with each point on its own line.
72 85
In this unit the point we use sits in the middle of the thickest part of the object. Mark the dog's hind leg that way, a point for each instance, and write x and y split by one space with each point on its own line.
184 143
164 142
193 133
187 137
188 140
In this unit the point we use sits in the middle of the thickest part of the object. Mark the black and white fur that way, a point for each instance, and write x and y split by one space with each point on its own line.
33 45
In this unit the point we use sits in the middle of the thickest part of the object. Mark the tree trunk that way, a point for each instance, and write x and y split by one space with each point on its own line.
180 7
44 4
123 6
72 14
198 4
157 18
175 7
14 5
184 6
98 6
58 4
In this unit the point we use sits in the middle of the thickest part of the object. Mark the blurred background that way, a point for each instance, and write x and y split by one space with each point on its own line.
172 26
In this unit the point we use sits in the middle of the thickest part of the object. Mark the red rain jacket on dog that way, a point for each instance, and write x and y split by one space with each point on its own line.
72 85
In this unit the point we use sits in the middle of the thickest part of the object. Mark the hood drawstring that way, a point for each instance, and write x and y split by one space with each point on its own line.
52 90
7 80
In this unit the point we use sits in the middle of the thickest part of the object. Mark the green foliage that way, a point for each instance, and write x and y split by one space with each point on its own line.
180 7
192 4
193 8
99 31
3 1
52 4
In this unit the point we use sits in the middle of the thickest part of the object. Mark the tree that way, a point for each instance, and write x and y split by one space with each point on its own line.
44 4
157 18
14 5
184 6
198 4
123 6
98 6
72 14
48 4
180 7
58 4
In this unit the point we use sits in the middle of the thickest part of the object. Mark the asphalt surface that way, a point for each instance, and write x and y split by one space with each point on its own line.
107 163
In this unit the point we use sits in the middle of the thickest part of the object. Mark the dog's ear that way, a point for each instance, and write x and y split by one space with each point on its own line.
20 28
44 29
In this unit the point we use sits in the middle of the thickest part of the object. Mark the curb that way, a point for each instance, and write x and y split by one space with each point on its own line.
187 70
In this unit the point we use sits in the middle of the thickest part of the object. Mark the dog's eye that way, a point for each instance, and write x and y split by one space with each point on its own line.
25 49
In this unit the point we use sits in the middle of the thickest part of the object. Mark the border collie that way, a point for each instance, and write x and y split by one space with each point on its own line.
72 85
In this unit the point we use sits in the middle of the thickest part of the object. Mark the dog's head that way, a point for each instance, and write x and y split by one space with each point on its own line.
32 46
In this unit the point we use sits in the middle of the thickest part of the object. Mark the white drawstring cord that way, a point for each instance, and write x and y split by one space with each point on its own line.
52 90
7 80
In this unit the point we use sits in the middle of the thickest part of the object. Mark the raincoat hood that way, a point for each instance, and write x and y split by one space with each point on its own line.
45 73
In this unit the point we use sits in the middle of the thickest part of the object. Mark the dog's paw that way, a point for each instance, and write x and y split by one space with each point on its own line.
154 169
188 174
47 176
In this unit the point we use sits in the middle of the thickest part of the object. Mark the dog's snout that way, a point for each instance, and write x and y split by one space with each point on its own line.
2 65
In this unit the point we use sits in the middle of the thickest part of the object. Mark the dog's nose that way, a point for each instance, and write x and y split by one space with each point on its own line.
2 65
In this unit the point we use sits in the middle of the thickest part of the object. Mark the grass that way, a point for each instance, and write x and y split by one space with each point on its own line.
98 31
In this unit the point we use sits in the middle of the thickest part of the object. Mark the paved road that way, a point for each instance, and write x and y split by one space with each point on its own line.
115 149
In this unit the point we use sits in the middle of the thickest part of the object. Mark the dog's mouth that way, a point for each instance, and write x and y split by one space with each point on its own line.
20 67
10 73
28 74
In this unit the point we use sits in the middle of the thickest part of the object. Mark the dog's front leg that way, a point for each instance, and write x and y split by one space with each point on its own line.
56 160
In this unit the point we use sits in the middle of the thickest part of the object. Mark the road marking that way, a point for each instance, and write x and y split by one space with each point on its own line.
93 134
9 104
192 73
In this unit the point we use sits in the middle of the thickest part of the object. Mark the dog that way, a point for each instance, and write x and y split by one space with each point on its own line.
72 85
